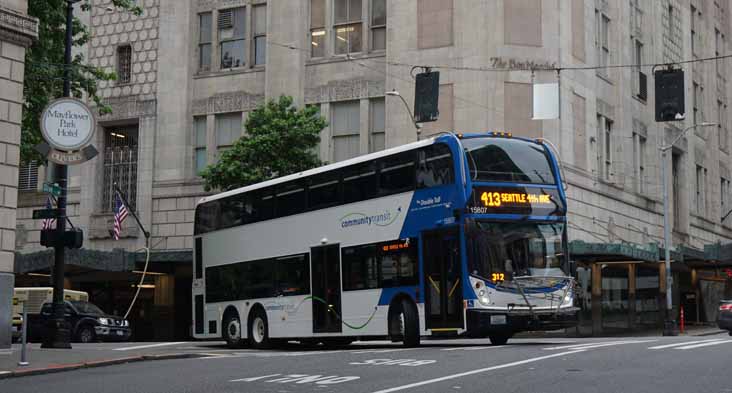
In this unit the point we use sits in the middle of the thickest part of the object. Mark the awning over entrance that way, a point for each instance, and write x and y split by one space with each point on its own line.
721 254
612 252
117 260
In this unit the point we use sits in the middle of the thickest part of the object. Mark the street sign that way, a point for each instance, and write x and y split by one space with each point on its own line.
67 124
53 189
45 214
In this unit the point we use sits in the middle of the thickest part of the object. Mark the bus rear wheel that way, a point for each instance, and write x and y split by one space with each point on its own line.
259 330
232 331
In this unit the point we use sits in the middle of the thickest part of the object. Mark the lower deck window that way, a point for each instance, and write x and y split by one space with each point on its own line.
380 265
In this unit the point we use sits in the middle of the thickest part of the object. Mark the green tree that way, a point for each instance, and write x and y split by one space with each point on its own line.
280 140
44 67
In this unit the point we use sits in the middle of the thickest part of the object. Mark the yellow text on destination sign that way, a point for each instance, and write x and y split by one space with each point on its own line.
497 199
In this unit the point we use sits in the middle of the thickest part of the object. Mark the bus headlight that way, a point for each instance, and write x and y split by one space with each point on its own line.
483 298
568 299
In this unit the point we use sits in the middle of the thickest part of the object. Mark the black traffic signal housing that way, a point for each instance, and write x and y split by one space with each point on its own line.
670 105
71 239
426 95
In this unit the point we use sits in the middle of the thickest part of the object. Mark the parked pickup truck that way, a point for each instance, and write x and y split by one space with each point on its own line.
725 315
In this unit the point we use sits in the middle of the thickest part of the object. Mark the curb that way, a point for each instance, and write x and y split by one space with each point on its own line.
714 333
57 368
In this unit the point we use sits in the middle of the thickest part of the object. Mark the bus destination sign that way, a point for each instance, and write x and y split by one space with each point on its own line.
514 200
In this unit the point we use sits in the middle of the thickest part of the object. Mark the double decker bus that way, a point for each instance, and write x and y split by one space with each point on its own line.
453 236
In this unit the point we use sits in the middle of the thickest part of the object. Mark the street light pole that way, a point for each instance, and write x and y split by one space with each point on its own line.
669 325
58 334
418 126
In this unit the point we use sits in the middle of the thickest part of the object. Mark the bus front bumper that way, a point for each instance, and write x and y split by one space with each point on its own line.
481 323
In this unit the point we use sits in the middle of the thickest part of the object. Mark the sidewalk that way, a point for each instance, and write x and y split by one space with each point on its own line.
44 361
691 331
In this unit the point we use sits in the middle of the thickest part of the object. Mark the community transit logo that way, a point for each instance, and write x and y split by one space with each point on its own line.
383 219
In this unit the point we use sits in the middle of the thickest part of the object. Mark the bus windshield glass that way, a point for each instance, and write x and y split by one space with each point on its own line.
507 160
516 249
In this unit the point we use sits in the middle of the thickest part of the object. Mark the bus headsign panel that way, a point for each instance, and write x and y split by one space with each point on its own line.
515 200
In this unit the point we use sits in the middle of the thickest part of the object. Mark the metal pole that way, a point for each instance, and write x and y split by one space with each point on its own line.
669 326
58 333
24 337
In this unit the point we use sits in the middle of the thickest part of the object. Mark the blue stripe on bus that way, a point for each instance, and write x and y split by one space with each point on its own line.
387 294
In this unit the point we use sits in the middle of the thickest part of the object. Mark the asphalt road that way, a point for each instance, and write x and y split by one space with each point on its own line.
641 364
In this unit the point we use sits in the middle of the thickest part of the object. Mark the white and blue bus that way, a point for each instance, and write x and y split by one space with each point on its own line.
457 235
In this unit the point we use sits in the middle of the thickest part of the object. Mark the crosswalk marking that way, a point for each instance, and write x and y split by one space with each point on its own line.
600 344
705 344
682 343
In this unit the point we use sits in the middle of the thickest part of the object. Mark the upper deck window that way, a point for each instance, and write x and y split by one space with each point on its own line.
508 160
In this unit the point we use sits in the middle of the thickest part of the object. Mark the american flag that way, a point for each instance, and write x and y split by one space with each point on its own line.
48 223
120 213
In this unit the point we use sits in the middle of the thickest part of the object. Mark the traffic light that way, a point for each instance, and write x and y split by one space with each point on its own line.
70 239
669 95
426 94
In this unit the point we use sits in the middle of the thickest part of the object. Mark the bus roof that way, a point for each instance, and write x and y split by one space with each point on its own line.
324 168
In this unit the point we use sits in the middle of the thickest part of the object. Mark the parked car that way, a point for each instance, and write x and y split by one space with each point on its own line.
89 323
725 315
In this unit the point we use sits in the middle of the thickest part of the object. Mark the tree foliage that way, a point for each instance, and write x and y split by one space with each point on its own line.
44 67
280 140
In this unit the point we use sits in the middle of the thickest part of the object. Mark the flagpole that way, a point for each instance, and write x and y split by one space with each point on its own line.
124 200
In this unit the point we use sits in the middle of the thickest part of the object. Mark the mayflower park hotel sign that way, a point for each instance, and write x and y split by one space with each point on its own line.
68 126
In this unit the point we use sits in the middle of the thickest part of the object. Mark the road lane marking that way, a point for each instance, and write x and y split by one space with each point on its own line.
393 362
478 371
300 379
149 346
481 348
682 343
600 344
386 350
575 346
705 344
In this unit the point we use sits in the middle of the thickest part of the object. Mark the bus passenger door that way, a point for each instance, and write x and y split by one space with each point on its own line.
443 293
326 286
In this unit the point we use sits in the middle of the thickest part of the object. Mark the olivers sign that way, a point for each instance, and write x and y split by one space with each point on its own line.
68 126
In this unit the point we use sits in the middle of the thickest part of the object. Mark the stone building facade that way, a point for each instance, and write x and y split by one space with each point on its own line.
192 70
17 32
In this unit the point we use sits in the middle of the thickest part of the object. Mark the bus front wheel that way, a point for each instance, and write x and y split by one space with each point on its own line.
232 331
405 323
259 330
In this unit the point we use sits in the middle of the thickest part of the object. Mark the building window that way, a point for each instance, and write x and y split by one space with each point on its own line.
605 158
694 35
228 130
317 28
602 41
377 125
724 196
347 26
639 157
259 16
722 126
199 146
697 103
120 165
231 37
346 129
701 182
204 41
124 64
378 24
28 176
638 89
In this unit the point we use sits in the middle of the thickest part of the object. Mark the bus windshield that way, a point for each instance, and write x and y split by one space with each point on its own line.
516 249
507 160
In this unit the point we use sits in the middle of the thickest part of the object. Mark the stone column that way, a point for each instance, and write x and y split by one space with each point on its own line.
17 32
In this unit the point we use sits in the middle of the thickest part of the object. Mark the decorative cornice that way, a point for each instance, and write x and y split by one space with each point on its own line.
227 102
17 28
129 108
350 89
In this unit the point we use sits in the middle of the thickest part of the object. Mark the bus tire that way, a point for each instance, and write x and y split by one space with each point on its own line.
232 331
259 330
499 338
409 324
